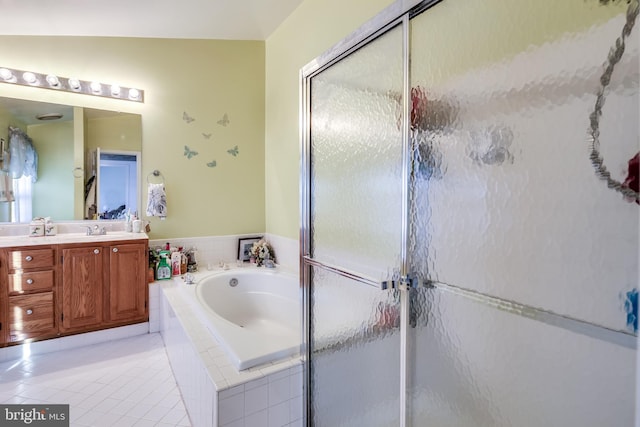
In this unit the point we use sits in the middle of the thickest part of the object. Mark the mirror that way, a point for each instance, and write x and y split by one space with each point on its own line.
73 145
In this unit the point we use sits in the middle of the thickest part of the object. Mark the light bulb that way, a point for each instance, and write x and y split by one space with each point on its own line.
74 83
115 90
134 93
6 74
53 80
29 77
96 87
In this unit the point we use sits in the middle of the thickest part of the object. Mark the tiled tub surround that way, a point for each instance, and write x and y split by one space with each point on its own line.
215 393
214 249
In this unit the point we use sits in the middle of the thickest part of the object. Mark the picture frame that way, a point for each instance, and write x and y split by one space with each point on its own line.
244 246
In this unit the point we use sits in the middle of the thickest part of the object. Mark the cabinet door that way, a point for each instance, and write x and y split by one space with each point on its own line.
31 316
128 282
82 287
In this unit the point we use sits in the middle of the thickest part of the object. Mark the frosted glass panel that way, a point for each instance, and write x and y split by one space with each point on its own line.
504 186
355 353
356 155
482 367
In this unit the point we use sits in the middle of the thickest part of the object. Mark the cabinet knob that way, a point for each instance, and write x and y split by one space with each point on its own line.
29 311
96 251
115 249
28 258
29 281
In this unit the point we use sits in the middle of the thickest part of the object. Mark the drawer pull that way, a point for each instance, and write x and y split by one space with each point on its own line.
115 249
29 311
96 251
29 281
28 258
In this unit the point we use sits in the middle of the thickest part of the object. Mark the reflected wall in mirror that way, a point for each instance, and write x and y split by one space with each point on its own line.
68 141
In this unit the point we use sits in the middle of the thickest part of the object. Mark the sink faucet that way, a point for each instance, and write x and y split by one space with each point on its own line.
96 231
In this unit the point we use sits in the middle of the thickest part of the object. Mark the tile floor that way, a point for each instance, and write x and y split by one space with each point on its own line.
121 383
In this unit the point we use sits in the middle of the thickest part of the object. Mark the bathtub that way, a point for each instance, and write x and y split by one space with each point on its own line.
253 312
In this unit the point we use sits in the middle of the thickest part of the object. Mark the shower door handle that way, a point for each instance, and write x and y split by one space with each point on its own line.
399 282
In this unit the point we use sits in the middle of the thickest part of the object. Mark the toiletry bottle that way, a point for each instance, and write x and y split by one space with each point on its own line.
127 222
163 271
183 263
176 258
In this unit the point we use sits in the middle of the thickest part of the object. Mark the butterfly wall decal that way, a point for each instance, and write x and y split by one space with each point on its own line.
189 153
187 118
212 164
206 135
233 151
224 121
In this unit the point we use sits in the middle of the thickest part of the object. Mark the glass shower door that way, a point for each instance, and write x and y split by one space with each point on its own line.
530 257
354 223
493 171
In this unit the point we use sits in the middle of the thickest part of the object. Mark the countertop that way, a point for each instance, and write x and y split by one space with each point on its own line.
65 238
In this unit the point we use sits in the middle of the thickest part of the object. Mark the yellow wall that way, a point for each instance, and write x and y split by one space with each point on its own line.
116 133
206 79
314 27
53 191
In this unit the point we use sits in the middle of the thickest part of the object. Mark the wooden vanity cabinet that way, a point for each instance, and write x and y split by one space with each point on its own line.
29 282
103 285
70 288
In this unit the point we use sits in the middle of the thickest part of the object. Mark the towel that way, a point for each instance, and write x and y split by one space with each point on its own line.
90 198
156 201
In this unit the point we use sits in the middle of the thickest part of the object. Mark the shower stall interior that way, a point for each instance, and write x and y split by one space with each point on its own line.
470 217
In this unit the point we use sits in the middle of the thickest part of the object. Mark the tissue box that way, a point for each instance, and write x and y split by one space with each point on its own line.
50 229
36 229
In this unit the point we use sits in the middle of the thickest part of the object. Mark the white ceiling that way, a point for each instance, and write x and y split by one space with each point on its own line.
194 19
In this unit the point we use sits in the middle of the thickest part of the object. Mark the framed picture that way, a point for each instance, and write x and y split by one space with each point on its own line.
244 246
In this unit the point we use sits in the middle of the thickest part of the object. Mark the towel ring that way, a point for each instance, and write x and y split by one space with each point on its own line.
156 173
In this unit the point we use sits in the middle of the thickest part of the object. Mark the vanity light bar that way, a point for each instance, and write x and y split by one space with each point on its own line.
69 84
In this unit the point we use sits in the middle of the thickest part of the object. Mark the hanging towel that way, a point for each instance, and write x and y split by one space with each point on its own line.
23 159
90 198
156 201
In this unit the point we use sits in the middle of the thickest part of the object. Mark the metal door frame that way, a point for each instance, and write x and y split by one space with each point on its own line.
394 15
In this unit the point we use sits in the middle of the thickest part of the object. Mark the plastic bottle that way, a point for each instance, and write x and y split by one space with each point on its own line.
183 263
163 271
128 223
176 258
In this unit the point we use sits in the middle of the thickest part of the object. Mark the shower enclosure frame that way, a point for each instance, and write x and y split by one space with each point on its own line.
398 14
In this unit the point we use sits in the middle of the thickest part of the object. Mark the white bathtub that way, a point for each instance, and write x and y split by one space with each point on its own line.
257 321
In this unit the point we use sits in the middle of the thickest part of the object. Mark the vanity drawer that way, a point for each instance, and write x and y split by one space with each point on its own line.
30 281
30 258
31 316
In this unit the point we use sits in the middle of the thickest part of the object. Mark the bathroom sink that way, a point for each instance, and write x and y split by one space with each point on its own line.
111 235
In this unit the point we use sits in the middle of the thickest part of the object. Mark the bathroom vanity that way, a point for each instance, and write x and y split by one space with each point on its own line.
71 283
